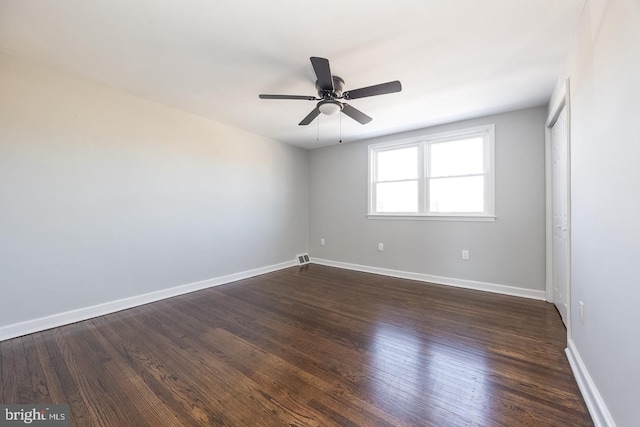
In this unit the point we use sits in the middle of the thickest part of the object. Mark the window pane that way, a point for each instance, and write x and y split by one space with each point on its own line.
460 157
397 164
397 197
457 194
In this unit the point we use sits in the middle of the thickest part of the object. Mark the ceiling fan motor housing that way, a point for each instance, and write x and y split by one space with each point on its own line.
338 87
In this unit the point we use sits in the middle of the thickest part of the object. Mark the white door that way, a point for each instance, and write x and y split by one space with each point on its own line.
560 203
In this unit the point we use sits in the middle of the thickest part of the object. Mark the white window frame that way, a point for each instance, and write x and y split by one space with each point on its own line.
424 142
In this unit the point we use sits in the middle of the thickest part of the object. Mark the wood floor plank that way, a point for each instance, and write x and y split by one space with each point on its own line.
38 378
80 413
311 346
9 374
47 371
87 377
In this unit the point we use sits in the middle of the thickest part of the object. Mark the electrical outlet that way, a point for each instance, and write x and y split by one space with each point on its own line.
465 254
380 247
581 312
322 242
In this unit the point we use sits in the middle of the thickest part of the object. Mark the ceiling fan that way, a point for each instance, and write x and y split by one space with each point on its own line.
330 90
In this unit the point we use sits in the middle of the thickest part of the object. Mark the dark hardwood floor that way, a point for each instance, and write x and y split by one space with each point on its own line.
311 346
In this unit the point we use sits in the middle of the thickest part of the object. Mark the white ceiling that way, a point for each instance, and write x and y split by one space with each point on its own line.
455 58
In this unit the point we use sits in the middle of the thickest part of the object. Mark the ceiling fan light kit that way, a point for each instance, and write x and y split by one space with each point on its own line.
330 90
329 107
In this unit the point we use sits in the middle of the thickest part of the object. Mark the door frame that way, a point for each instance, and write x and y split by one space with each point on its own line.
563 101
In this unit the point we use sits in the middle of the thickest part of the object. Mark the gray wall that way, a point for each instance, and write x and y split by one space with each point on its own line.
604 71
509 251
105 196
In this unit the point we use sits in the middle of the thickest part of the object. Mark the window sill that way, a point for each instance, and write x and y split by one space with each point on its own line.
469 218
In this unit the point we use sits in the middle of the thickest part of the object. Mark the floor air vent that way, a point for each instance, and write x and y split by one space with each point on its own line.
303 259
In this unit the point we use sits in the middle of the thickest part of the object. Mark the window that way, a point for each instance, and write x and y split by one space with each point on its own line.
448 175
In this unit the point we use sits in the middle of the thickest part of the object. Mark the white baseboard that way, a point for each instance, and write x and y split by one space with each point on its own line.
592 398
65 318
449 281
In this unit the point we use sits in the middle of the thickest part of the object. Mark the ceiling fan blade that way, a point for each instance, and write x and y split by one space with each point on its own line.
381 89
323 73
355 114
304 97
312 115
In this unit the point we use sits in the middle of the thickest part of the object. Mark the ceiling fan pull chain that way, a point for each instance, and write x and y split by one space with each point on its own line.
318 130
340 128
